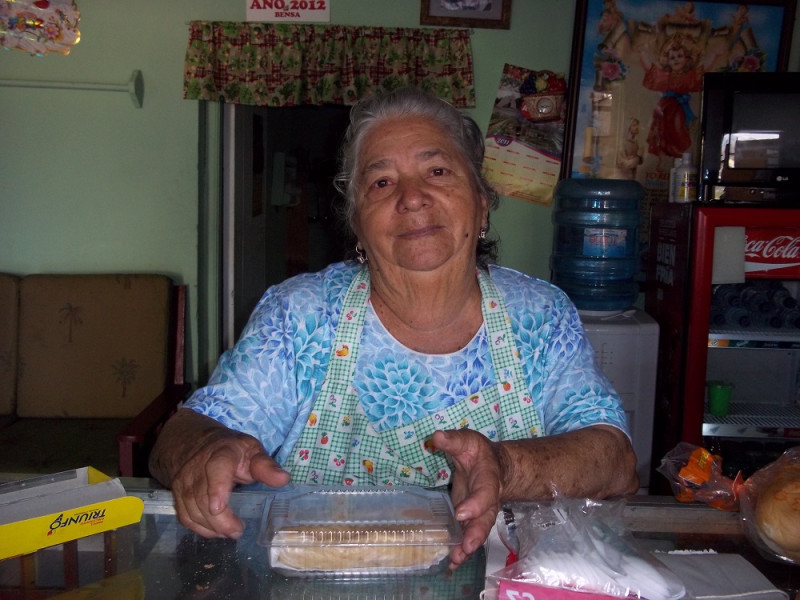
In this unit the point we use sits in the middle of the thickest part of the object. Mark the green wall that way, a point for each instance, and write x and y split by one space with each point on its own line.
89 183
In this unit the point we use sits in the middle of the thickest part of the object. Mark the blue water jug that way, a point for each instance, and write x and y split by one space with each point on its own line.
595 255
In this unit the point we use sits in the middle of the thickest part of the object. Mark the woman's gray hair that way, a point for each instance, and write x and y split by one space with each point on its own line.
413 102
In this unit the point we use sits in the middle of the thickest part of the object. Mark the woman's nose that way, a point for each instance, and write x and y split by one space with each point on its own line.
413 194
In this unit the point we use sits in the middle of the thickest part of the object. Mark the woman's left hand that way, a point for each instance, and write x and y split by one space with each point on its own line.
593 462
477 486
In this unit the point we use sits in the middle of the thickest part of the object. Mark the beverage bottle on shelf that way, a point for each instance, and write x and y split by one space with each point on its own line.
756 300
716 317
766 320
790 318
782 298
725 295
737 316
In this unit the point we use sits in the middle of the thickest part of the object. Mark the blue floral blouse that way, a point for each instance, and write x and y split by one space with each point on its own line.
267 383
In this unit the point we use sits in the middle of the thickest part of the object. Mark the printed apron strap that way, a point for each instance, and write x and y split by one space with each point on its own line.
505 356
519 418
321 451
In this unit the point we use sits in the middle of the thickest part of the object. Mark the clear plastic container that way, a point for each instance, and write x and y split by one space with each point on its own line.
340 531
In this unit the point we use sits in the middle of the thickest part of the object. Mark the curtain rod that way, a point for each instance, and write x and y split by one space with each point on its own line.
134 86
470 30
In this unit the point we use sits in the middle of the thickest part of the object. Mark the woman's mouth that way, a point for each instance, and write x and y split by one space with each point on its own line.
420 232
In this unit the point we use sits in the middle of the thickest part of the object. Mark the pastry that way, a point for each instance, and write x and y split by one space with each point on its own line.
343 548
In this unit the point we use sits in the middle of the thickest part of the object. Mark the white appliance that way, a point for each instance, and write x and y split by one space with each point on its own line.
626 349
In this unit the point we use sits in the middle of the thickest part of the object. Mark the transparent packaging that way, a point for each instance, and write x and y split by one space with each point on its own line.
574 547
317 531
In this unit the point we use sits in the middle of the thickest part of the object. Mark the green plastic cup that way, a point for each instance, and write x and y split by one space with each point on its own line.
719 397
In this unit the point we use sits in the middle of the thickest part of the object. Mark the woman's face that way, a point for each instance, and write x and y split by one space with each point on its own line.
417 207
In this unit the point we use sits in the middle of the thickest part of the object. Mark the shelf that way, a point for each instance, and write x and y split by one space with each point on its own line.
754 338
750 420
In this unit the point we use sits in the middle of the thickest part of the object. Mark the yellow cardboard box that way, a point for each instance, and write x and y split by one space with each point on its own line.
52 509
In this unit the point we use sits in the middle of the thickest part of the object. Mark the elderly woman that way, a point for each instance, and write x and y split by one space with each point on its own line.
420 363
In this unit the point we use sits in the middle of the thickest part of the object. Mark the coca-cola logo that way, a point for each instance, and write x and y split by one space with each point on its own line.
772 252
781 248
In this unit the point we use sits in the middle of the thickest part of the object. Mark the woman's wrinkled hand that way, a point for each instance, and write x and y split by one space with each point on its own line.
477 486
202 485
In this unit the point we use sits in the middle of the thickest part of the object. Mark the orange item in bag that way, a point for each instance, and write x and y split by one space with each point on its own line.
700 478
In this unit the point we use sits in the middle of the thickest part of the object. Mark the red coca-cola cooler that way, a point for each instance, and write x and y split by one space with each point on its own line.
723 283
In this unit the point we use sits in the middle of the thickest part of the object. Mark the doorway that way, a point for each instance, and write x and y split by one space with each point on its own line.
280 209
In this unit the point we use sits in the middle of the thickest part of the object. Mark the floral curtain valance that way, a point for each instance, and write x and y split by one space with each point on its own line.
264 64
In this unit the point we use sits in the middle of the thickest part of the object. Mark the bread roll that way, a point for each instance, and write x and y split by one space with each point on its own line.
345 548
777 512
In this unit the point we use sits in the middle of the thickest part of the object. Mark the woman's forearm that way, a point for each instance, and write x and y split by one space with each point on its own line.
594 462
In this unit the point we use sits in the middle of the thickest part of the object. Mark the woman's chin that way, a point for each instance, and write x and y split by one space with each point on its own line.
432 256
426 264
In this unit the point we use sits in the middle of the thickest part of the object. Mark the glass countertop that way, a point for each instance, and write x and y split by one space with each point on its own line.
159 558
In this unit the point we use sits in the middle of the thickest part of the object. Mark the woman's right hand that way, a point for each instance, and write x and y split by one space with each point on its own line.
201 461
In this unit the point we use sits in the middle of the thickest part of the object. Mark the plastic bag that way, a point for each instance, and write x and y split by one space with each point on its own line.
770 508
695 475
579 545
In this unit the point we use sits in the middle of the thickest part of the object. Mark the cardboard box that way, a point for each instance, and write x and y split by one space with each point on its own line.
53 509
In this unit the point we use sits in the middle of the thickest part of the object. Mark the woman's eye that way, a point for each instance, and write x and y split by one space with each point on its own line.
438 171
380 187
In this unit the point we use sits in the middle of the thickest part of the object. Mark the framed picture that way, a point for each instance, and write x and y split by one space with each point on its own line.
636 77
484 14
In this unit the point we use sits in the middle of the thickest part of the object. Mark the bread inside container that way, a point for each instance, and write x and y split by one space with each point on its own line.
345 531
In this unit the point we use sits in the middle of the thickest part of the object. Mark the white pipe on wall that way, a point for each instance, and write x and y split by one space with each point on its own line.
134 86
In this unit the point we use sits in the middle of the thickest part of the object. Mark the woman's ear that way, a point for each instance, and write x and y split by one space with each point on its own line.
485 208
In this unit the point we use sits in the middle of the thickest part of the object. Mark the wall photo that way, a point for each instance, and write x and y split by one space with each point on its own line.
485 14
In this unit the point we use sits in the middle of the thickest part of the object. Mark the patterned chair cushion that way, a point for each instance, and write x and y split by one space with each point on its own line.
92 345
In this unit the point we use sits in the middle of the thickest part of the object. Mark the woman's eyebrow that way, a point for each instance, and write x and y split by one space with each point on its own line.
432 153
376 165
383 163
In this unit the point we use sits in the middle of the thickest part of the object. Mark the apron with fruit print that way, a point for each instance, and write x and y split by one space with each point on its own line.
340 446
